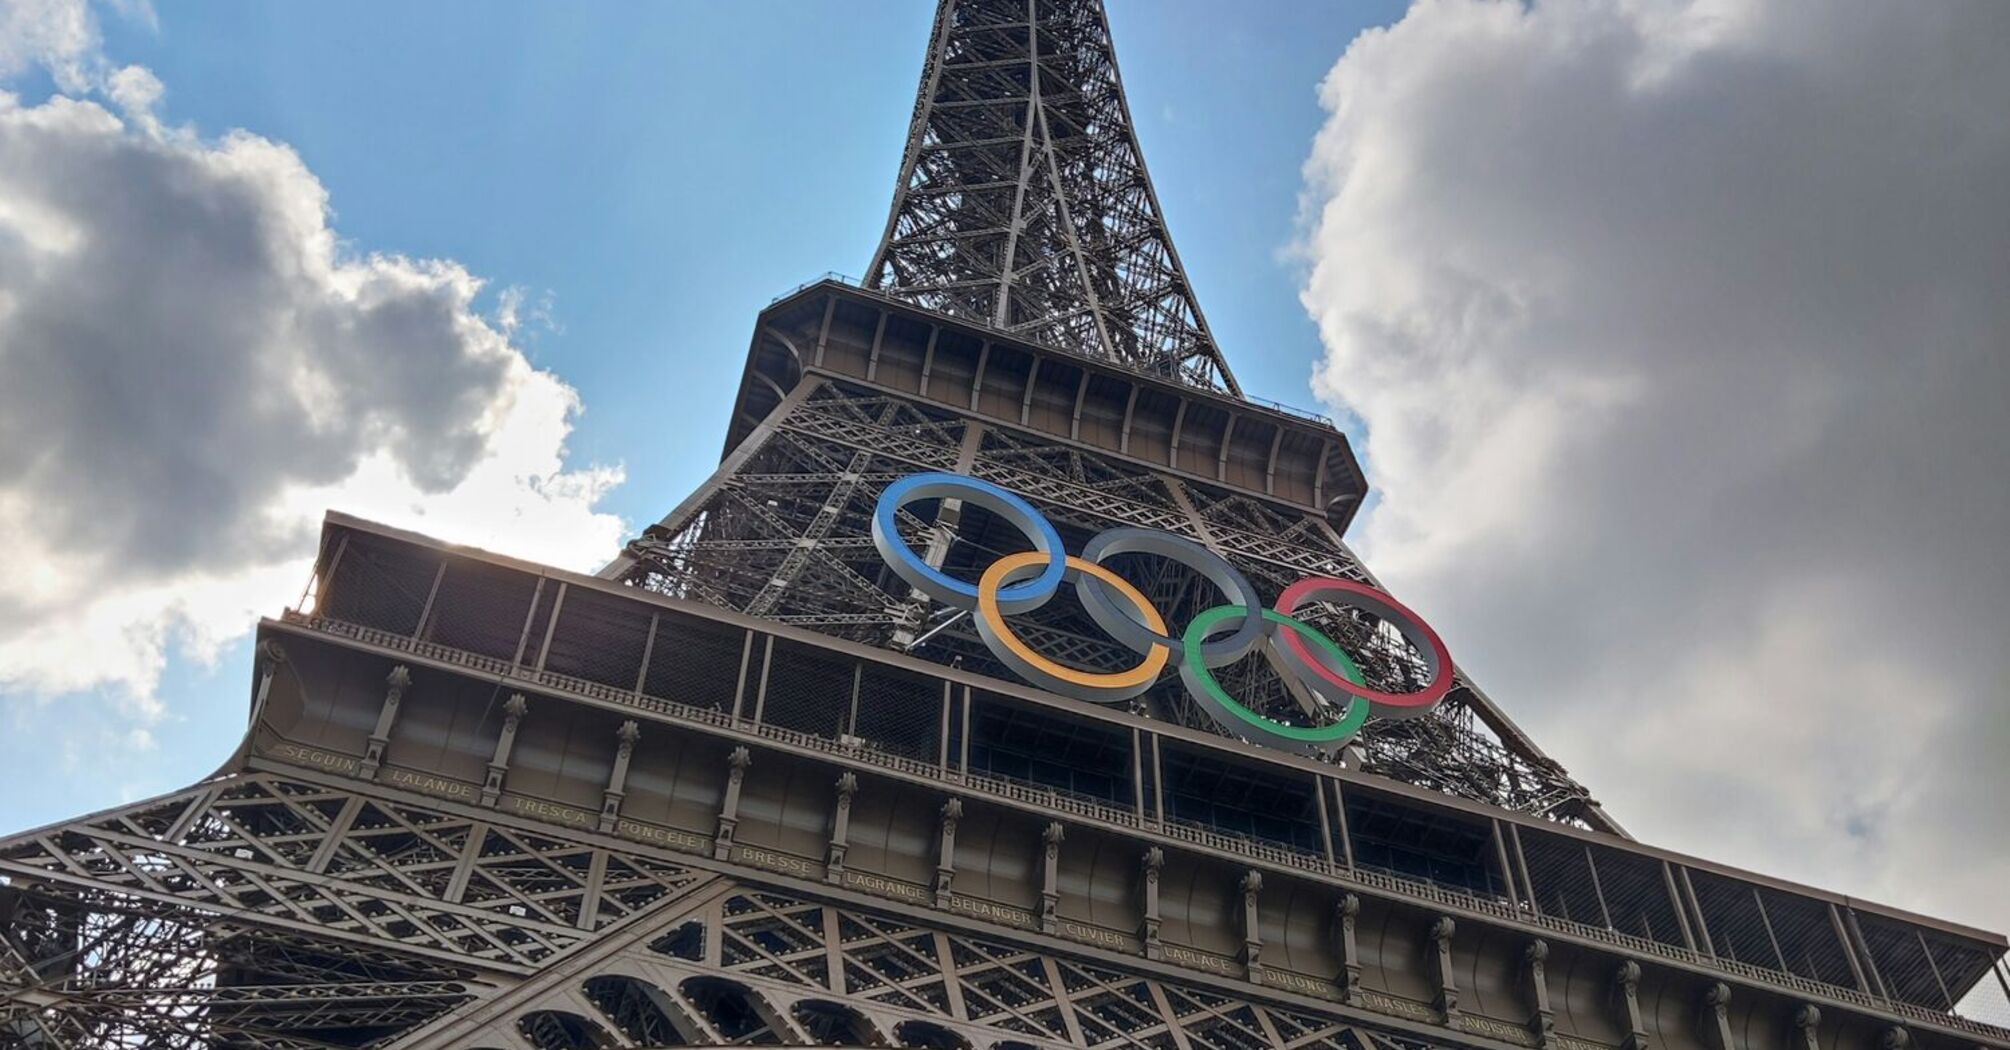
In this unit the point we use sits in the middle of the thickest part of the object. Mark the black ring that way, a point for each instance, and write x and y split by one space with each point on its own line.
1123 625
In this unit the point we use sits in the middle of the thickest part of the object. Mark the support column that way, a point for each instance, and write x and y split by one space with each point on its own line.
1807 1025
1626 990
1252 934
945 861
1447 1000
1050 876
729 812
617 781
1153 862
1862 950
396 682
1716 1019
911 615
513 712
1849 951
847 786
270 657
1344 915
1541 1019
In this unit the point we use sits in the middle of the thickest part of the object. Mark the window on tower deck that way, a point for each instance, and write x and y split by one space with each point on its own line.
1244 799
1427 844
1013 740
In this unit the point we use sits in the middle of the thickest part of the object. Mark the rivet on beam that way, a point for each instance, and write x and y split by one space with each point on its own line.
945 862
1541 1020
1807 1025
1153 862
617 781
1344 915
513 712
1252 934
1447 1000
396 683
1050 876
729 812
1626 990
1717 1016
847 786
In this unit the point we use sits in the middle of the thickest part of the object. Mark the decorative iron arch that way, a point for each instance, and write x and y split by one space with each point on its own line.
642 1011
927 1035
835 1024
733 1010
561 1030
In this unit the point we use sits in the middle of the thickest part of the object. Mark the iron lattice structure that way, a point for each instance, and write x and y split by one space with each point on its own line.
278 911
744 788
1023 201
784 533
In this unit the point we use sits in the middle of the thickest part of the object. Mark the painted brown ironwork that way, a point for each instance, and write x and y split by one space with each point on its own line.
743 788
783 533
1023 201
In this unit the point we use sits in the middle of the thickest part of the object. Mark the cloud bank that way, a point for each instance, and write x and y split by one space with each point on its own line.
194 366
1680 333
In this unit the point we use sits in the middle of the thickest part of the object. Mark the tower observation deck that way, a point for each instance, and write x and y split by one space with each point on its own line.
770 779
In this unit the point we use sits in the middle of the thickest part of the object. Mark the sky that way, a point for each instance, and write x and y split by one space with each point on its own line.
1670 332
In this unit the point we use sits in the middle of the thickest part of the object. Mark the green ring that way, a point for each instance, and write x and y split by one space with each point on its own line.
1349 723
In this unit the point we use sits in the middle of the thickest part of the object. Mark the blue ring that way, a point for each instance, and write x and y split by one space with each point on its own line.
1017 598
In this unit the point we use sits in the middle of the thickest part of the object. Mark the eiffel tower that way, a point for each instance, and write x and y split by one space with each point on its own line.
747 786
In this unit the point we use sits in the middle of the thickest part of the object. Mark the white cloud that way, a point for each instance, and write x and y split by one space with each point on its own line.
193 367
1679 331
60 36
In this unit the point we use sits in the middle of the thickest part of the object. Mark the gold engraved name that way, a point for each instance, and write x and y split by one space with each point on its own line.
1297 983
551 811
1498 1029
766 858
314 756
986 910
1198 960
428 783
1399 1007
682 840
1095 935
884 887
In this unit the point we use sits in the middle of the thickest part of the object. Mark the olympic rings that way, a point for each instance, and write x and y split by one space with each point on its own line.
929 580
1208 564
1269 732
1041 671
1437 663
1022 582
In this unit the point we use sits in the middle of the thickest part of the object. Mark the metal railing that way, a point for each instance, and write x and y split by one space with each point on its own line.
856 285
1098 810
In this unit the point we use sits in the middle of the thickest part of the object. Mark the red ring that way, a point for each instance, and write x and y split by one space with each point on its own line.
1429 696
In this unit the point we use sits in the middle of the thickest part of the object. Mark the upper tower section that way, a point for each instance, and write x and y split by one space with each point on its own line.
1023 202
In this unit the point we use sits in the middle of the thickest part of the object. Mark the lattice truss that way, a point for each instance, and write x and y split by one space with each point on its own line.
263 911
1023 201
749 967
787 535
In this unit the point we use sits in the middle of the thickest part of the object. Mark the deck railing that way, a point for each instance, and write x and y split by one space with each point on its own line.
1089 808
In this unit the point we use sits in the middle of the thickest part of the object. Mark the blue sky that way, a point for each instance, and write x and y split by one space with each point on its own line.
657 173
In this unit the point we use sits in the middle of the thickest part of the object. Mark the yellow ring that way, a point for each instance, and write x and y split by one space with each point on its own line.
1139 677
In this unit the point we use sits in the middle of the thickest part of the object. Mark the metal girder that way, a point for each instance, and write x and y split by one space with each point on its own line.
273 911
1023 201
760 965
781 534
